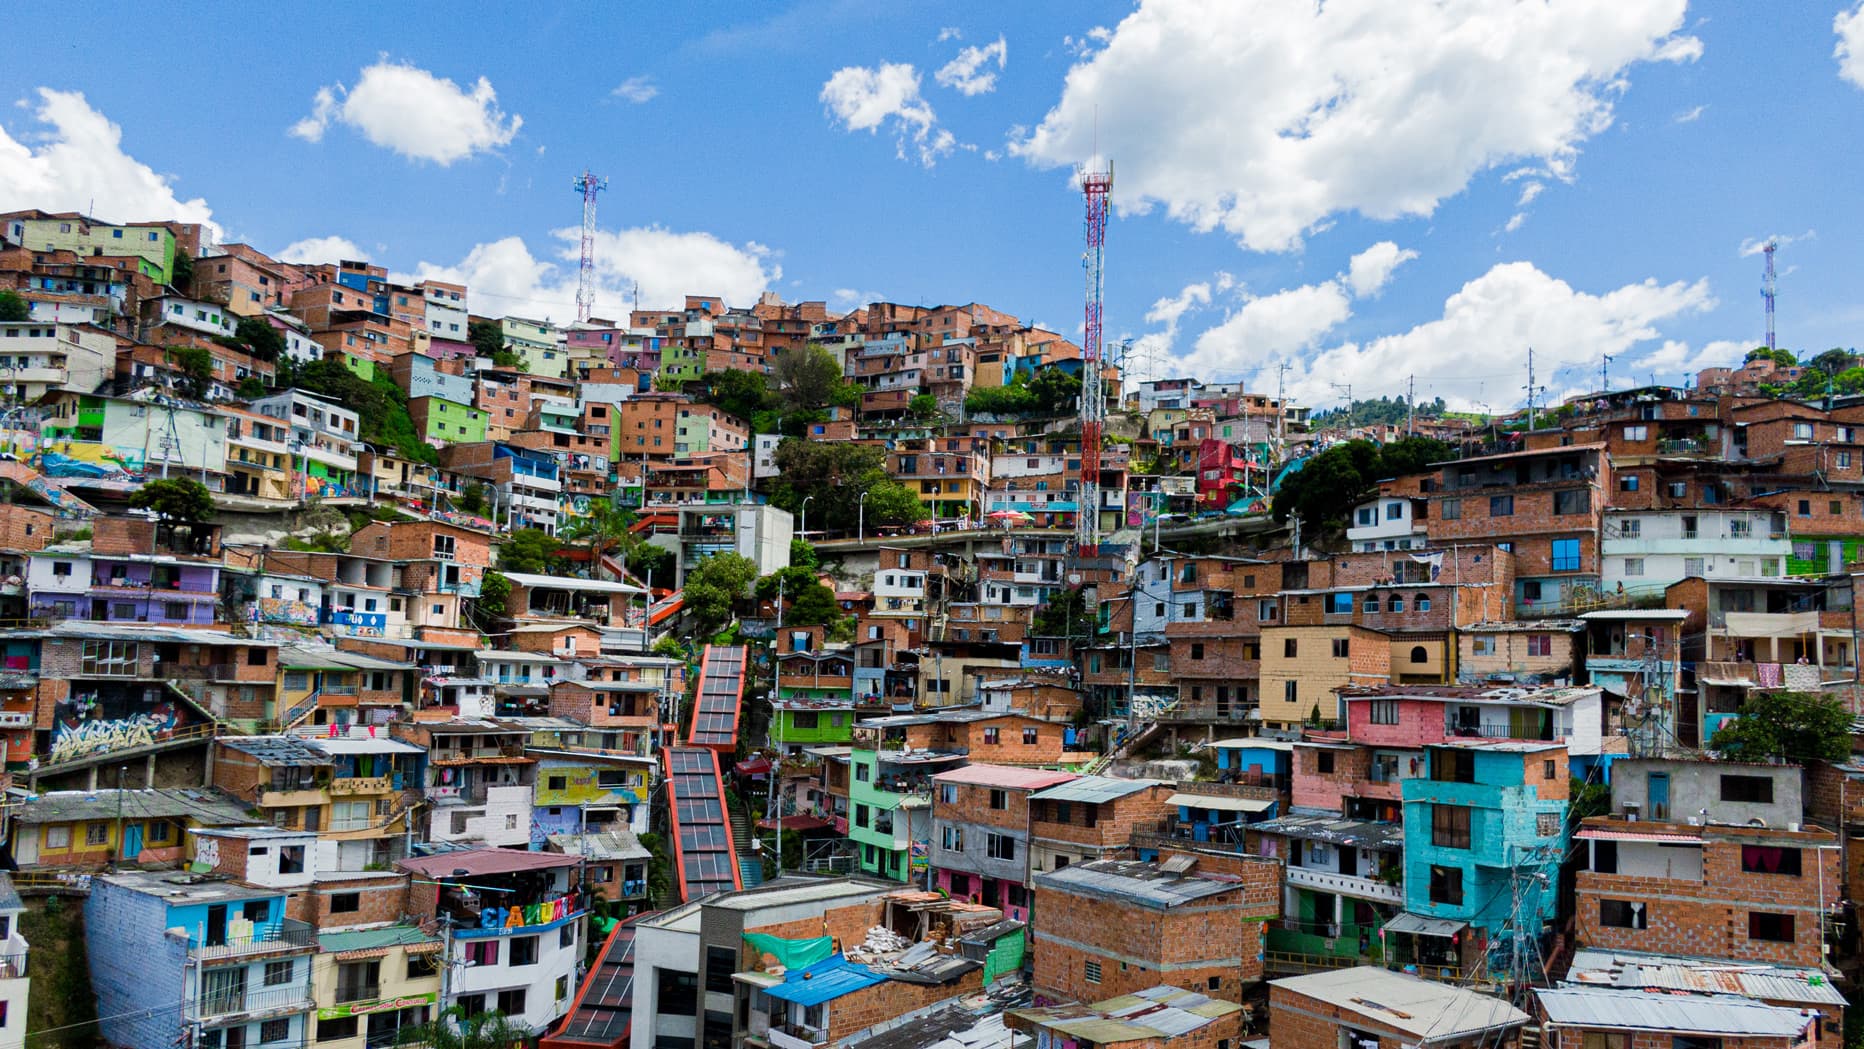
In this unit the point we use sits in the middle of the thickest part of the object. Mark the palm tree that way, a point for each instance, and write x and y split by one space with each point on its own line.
451 1028
603 529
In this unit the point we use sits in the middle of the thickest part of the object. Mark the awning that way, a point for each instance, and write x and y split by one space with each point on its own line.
752 767
1593 834
1221 804
1728 682
1418 924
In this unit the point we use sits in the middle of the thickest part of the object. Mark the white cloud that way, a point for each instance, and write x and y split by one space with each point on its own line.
1147 355
1477 349
1268 327
970 72
1515 222
864 99
78 164
1756 245
506 279
1529 193
950 32
1265 117
322 249
414 113
1369 270
636 89
1690 116
1677 358
1849 25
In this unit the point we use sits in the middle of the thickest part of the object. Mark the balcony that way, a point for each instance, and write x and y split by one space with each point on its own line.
298 797
358 992
361 785
217 1004
797 1036
1345 884
11 719
286 937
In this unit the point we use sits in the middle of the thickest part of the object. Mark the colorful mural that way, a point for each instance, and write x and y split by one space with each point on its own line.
87 724
284 610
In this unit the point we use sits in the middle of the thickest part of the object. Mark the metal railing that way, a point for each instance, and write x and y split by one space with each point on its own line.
287 935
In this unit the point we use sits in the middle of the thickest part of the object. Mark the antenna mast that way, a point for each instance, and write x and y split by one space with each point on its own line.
1095 186
1768 288
588 185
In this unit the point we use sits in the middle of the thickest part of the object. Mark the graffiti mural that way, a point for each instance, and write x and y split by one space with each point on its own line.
285 610
77 735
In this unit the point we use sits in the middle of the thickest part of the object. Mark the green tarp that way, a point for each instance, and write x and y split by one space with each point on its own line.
791 954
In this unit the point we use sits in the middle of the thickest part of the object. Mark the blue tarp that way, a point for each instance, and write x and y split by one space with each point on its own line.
825 981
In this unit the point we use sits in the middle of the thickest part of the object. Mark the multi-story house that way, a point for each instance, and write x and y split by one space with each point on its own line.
538 344
36 359
1644 551
1368 1006
1633 654
324 436
1707 858
1342 882
480 782
1092 817
1486 811
516 948
171 951
1520 651
1541 504
980 833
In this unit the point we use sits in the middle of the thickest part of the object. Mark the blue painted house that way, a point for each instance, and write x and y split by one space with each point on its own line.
174 953
1485 827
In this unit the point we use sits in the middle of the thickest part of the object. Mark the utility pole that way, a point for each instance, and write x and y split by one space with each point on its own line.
1605 362
587 185
1281 412
1531 391
1410 404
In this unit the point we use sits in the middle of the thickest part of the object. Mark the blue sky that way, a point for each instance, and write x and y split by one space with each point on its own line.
1259 147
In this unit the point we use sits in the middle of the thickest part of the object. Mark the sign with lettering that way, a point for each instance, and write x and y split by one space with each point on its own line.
385 1005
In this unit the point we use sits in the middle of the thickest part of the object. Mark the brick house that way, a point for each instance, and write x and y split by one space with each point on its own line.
1367 1007
1111 927
1177 1019
1091 818
1304 666
1608 1016
980 833
1746 882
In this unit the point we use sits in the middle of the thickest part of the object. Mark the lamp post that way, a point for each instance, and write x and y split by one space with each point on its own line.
861 518
805 517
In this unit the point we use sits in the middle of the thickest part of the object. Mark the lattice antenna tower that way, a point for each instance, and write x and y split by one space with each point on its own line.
1769 287
588 185
1096 185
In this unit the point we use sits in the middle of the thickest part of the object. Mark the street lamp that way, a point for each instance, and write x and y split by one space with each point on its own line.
805 517
861 518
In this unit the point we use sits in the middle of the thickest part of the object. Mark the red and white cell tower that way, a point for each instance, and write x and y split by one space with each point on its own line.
1769 288
1096 184
588 185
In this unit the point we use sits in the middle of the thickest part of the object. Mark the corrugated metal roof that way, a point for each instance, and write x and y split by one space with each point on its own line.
1724 1015
594 586
1333 830
1638 971
1146 883
1005 776
204 807
831 978
1220 803
370 939
1428 1011
1095 789
1156 1012
468 862
1593 834
277 751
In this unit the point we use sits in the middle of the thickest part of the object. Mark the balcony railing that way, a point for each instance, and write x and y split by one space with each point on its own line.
362 785
358 992
796 1036
285 936
1345 884
236 1001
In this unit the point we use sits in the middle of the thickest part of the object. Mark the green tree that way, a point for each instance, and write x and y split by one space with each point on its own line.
891 503
250 388
803 553
1064 615
494 597
1409 455
382 405
745 394
1327 487
715 585
807 601
475 498
13 307
1783 358
1014 399
603 529
1798 727
651 564
1833 361
487 337
196 365
453 1028
181 275
259 337
176 501
528 550
923 407
807 378
1055 391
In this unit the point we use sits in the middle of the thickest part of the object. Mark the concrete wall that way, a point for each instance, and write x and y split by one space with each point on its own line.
137 970
1697 785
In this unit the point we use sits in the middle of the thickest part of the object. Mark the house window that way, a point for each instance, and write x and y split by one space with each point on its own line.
275 1030
1449 826
1339 648
1370 605
1482 646
993 736
1397 604
1763 925
1501 506
1627 483
1423 604
1572 501
1197 650
1769 859
524 950
1637 433
1323 762
1289 692
345 902
1566 555
96 833
1750 789
1092 971
1000 846
511 1002
1634 566
1450 509
1384 712
1540 644
948 793
1339 604
1623 914
1446 885
1288 648
999 800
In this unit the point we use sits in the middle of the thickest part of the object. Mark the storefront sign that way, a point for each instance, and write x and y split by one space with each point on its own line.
385 1005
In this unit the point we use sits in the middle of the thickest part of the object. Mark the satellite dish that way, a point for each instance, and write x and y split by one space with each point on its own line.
1074 578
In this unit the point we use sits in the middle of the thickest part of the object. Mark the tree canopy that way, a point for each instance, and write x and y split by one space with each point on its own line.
715 585
260 339
832 475
1327 487
1051 392
13 307
529 550
809 378
1064 615
1380 411
382 405
1797 727
176 501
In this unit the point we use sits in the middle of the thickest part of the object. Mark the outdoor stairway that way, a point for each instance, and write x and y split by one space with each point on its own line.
750 865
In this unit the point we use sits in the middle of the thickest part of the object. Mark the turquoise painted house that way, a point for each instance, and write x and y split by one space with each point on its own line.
1486 826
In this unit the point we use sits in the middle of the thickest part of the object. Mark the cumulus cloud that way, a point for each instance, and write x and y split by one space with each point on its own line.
1756 245
864 99
950 32
1849 25
636 89
970 72
1148 352
1263 118
506 278
77 163
1268 327
1370 270
322 249
1676 357
1486 329
414 113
